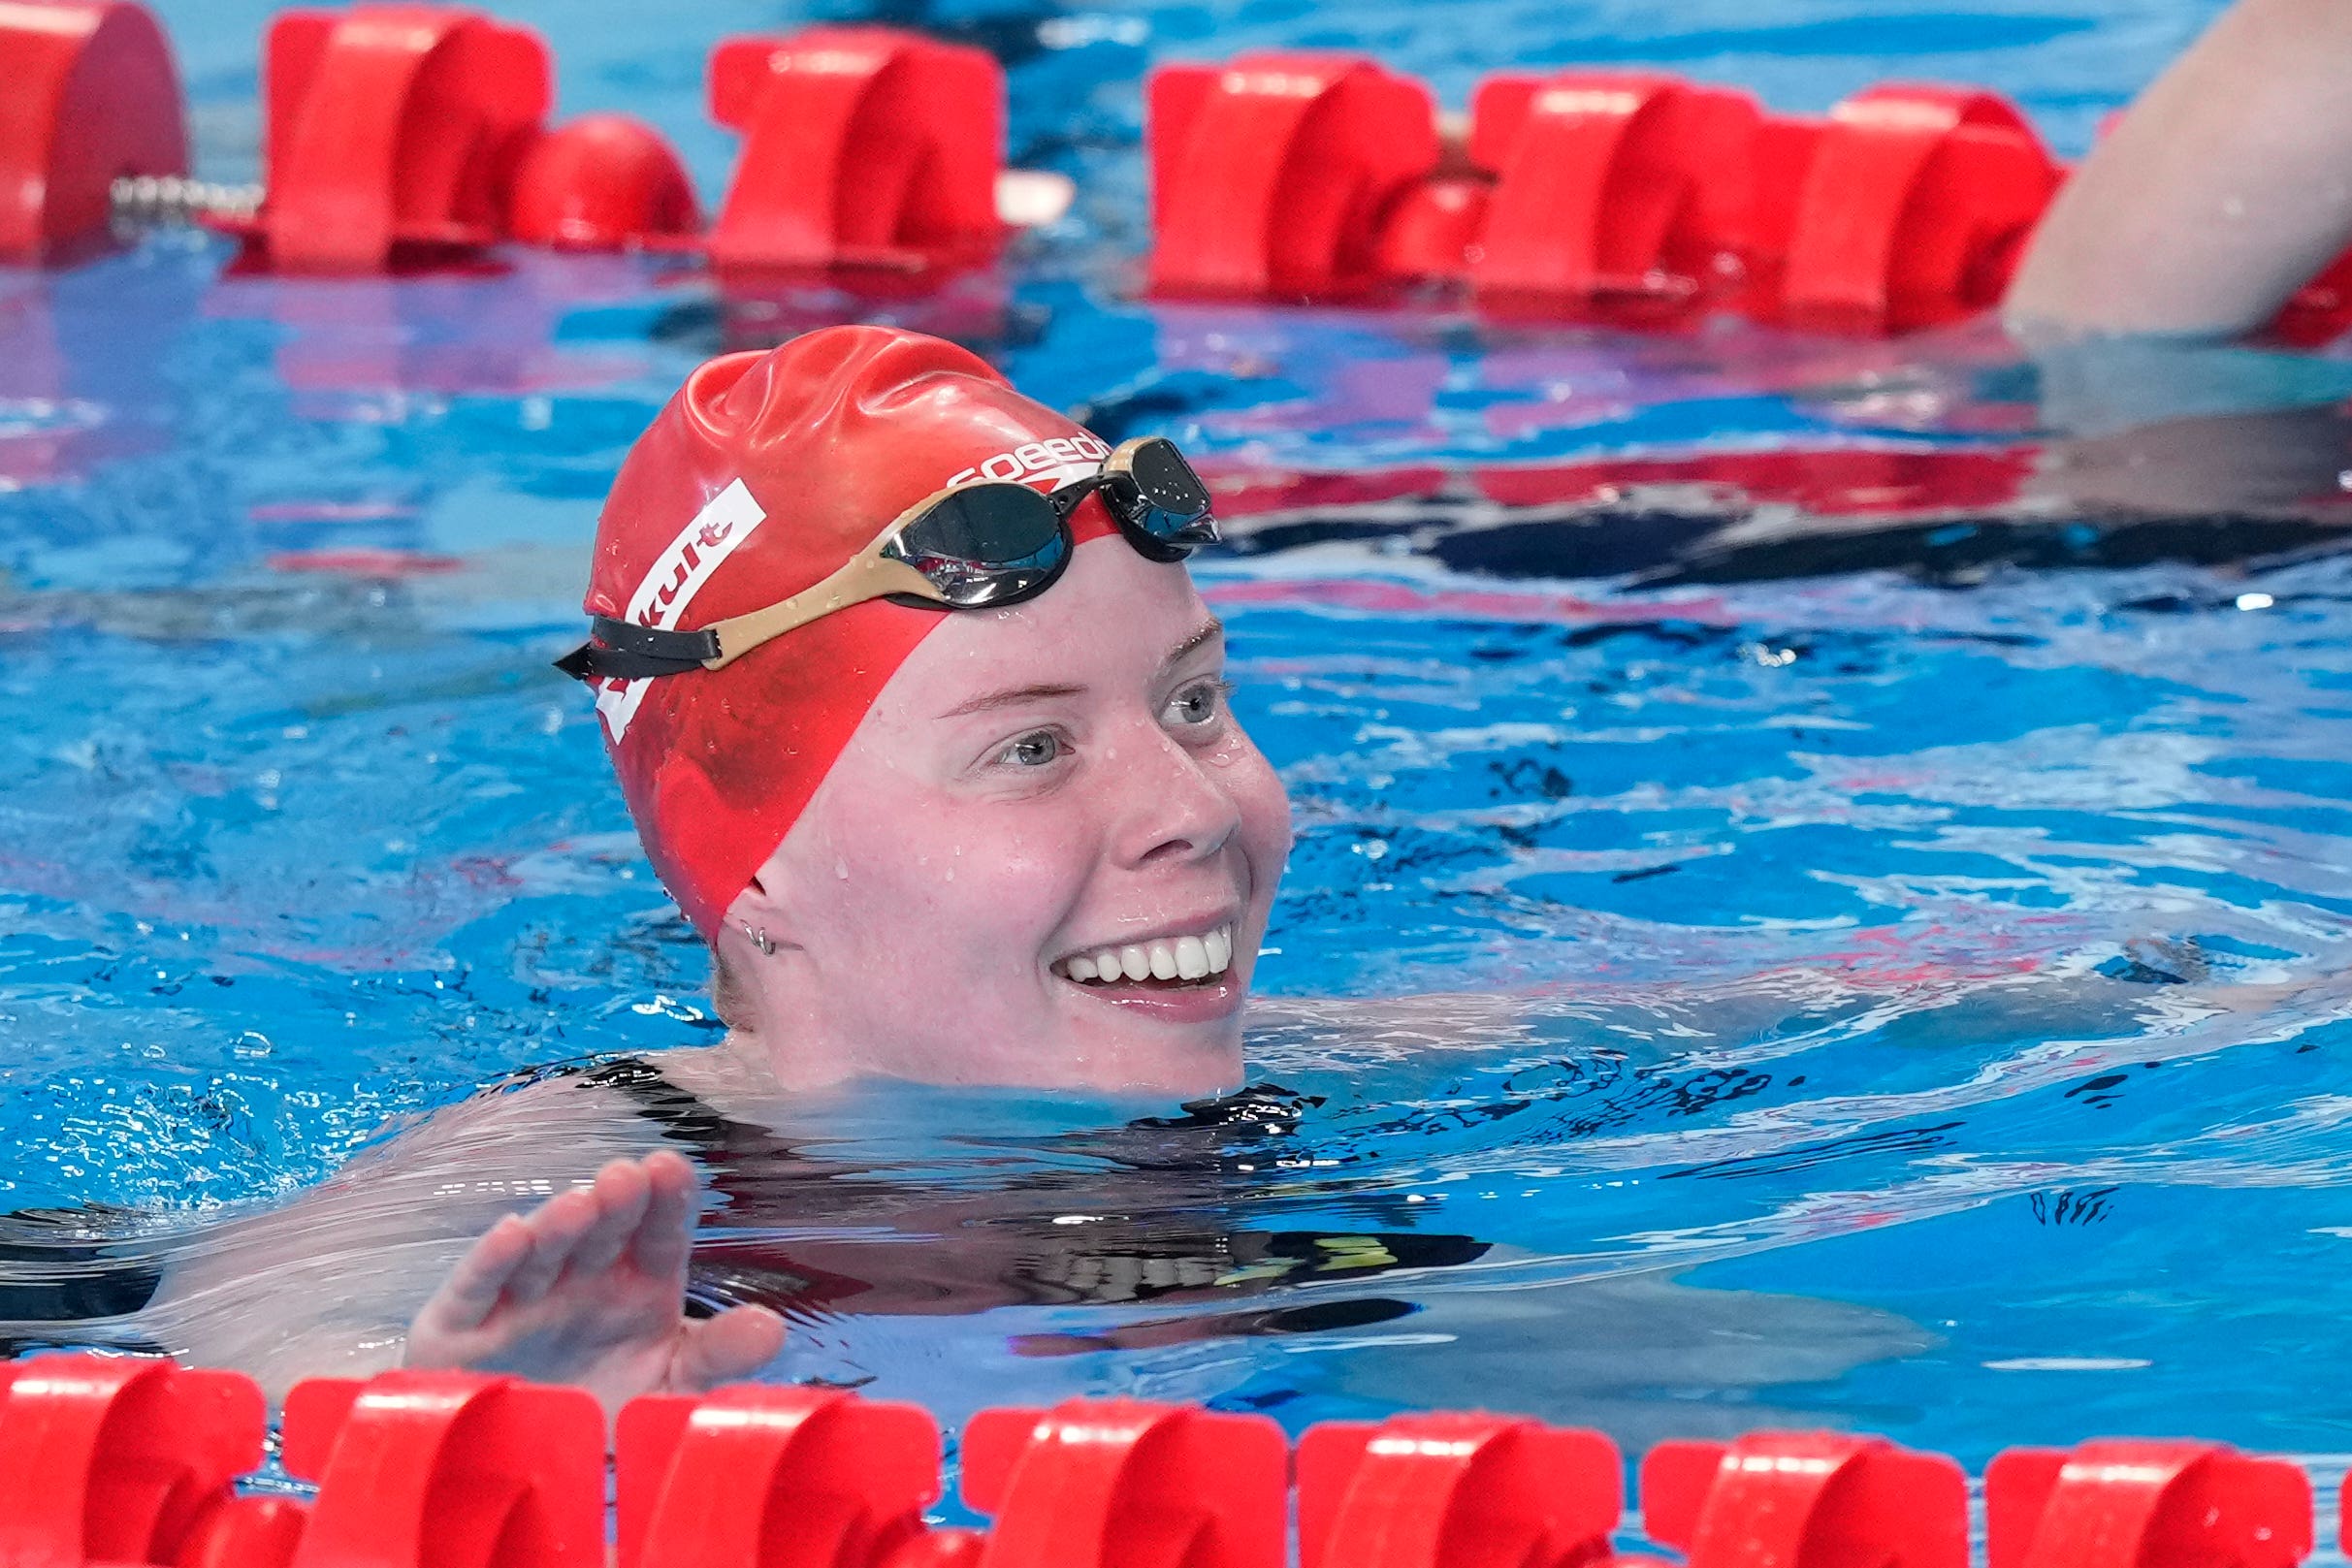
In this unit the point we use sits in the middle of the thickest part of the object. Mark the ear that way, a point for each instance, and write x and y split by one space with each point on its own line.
764 905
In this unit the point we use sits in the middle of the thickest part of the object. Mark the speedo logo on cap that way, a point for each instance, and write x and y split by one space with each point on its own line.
1062 461
669 587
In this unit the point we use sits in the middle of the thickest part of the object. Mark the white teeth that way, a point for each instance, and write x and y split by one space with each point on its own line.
1191 957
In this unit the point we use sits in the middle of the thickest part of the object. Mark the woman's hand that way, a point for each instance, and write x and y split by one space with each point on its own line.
588 1288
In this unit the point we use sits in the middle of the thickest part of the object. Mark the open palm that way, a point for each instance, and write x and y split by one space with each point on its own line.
589 1288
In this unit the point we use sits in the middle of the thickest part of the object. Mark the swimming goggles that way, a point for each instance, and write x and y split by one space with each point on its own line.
969 547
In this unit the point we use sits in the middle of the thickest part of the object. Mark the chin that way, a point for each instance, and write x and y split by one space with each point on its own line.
1195 1070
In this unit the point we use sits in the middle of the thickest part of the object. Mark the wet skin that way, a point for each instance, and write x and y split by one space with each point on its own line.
1034 785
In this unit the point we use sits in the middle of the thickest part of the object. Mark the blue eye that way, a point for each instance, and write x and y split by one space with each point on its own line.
1198 705
1034 750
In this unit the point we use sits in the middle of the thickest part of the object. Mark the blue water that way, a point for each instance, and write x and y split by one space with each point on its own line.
1896 984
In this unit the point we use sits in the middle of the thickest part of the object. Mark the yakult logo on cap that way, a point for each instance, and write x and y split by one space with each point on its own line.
660 600
1064 460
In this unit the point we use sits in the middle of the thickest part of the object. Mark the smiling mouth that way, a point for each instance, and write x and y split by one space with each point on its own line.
1197 959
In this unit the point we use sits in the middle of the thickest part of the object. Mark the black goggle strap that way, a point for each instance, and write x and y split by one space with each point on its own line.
618 650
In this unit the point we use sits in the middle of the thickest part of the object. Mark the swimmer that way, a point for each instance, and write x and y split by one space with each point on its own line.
2217 195
922 722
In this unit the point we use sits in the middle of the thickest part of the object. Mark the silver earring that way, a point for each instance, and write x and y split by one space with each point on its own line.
760 940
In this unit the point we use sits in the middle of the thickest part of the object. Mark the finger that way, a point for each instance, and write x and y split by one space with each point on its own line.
472 1289
734 1344
621 1192
666 1232
556 1227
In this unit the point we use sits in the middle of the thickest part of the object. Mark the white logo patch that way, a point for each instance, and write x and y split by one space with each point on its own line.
661 599
1064 460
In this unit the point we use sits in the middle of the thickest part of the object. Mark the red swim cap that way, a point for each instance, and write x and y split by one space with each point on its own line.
765 472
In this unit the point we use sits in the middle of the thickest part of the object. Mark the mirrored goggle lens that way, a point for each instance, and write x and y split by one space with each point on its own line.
986 544
1167 499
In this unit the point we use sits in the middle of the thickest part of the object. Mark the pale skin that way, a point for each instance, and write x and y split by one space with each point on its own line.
2220 192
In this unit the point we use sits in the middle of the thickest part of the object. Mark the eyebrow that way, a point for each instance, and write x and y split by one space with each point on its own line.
1017 696
1012 698
1209 630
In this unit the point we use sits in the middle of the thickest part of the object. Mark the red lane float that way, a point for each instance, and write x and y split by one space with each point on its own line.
1123 1483
390 133
132 1460
1416 1491
1276 177
1610 188
1806 1501
447 1468
91 97
1299 175
120 1459
863 146
2122 1505
1910 205
400 135
601 182
754 1476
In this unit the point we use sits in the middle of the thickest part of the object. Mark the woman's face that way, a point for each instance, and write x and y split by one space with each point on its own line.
1043 799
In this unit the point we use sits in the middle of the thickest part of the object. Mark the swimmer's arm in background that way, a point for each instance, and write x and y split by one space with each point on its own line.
2223 190
487 1236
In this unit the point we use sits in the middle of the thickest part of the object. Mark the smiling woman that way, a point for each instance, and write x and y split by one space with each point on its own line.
1024 842
960 805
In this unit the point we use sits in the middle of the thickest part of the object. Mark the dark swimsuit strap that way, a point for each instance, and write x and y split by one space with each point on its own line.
682 1117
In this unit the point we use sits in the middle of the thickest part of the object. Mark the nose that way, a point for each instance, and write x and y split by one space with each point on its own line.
1176 807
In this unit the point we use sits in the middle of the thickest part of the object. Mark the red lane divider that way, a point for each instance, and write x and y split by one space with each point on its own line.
1806 1501
1611 188
1912 205
118 1458
1472 1490
2120 1505
863 146
1273 177
92 95
1109 1484
1619 194
118 1461
400 135
390 131
601 182
749 1476
447 1468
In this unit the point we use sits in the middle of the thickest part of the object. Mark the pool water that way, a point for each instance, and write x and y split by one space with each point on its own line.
1753 955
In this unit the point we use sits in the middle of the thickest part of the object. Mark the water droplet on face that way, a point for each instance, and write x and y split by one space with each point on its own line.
841 868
